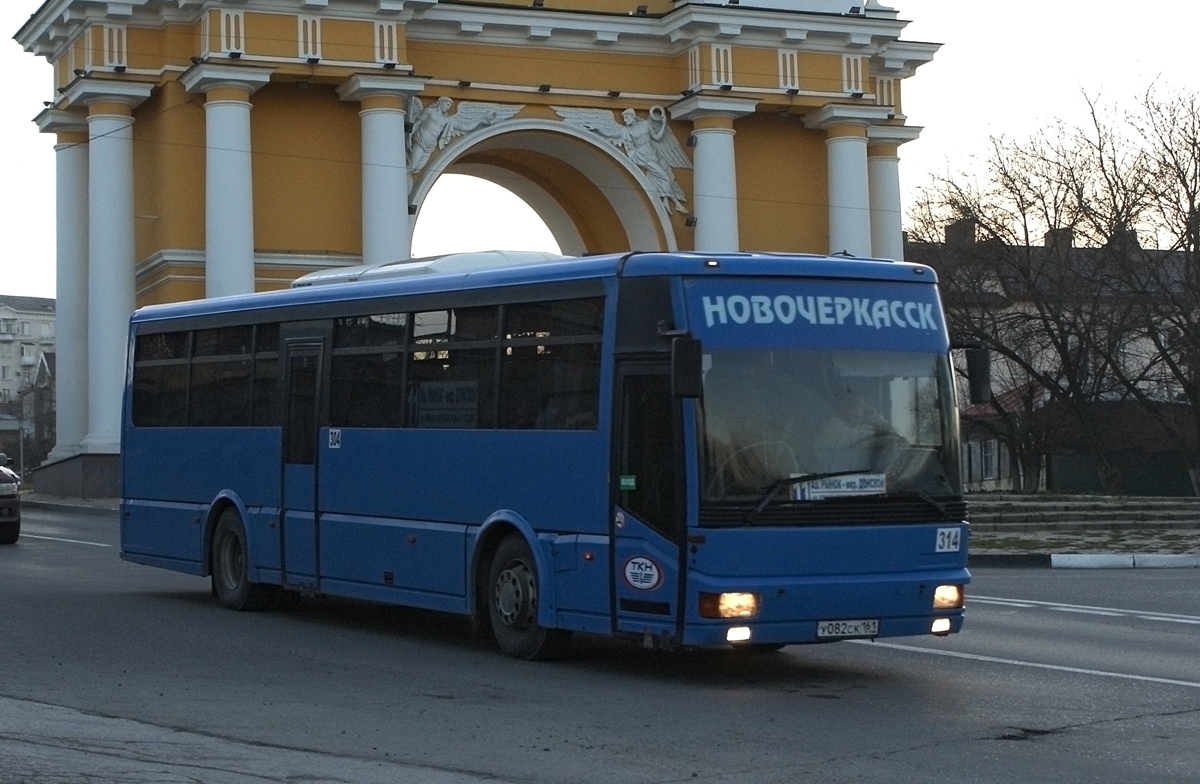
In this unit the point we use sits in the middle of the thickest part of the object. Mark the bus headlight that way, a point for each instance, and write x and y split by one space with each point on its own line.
8 488
948 597
728 605
941 626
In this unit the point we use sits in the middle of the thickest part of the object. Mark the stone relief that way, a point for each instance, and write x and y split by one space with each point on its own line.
434 126
647 142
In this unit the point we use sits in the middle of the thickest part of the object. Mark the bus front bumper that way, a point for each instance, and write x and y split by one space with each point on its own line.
736 633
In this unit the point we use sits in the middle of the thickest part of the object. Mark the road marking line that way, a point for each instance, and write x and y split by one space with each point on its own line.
1034 665
1083 607
1168 620
1109 613
977 600
69 541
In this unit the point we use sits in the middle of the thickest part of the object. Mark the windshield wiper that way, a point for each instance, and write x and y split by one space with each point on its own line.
936 504
787 481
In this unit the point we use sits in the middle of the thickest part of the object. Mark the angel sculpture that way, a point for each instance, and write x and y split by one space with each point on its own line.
435 126
647 142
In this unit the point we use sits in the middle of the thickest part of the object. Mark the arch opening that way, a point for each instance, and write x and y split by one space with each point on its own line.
499 219
586 192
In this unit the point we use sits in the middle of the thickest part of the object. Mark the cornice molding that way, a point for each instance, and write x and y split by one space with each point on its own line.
61 121
86 90
808 24
203 77
696 106
164 259
835 114
893 134
362 86
903 58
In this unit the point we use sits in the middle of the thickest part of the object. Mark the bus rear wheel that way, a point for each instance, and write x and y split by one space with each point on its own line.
513 604
231 568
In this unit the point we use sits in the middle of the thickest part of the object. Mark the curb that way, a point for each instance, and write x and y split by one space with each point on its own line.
1010 560
1125 561
1085 561
69 506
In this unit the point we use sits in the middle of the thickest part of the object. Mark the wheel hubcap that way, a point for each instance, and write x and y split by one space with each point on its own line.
516 596
231 562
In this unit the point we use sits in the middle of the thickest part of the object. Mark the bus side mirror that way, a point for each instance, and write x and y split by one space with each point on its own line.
687 374
979 373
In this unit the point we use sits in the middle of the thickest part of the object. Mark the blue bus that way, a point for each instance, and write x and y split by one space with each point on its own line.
688 450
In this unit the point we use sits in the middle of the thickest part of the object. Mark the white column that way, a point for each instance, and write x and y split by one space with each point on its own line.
849 202
71 297
386 224
883 169
714 181
846 158
110 272
887 231
714 190
111 261
229 183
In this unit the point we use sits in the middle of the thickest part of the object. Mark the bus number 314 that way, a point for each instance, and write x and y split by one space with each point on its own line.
948 540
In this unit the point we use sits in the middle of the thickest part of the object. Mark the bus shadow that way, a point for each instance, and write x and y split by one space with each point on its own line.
793 668
805 669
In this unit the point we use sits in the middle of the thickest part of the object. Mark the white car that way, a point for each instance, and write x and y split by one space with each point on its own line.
10 502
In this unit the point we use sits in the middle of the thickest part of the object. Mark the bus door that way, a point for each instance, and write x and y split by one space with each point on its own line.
648 524
299 535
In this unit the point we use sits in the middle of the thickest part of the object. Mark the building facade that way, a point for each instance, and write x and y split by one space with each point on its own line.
215 147
26 331
26 338
1094 381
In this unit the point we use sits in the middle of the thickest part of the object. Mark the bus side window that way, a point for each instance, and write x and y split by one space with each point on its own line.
265 410
222 377
451 374
160 380
367 382
550 365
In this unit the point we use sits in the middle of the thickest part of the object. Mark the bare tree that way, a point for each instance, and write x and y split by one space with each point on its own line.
1030 276
1167 275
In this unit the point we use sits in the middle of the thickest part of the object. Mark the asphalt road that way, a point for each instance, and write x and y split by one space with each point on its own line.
121 673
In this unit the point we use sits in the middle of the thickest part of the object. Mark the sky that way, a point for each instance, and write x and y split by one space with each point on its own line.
1005 69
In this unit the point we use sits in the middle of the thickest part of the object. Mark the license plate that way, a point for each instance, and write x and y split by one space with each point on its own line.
868 627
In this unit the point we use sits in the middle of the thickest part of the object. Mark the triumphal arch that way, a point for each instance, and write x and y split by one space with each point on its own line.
212 147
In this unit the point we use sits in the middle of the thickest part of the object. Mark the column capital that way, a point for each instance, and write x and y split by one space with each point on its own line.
839 114
85 91
203 77
360 86
61 121
893 134
697 106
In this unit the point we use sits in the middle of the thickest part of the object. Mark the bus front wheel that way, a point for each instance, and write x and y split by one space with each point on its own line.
230 566
513 604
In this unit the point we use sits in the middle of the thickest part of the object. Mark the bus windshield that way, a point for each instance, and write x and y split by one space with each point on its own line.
822 425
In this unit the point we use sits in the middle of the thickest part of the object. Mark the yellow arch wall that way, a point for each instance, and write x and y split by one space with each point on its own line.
169 160
307 173
307 141
531 65
782 185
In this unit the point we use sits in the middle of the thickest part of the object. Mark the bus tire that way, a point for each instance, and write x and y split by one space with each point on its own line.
230 566
512 599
